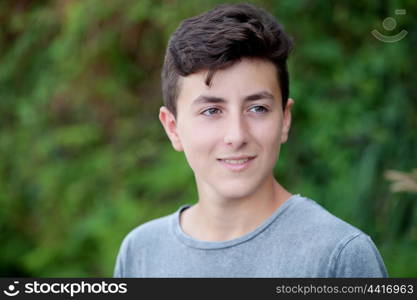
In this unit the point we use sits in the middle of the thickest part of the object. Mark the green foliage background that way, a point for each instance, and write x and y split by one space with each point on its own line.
83 159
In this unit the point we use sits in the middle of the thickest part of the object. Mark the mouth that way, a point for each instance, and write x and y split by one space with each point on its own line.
236 163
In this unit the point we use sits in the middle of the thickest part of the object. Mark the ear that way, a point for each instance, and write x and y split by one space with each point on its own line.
169 123
286 123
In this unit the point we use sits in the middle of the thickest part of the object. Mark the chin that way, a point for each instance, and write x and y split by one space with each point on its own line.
235 190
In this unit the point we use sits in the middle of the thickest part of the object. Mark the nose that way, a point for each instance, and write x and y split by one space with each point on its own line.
236 131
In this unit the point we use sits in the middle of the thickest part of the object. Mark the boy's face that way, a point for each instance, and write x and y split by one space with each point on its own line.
231 131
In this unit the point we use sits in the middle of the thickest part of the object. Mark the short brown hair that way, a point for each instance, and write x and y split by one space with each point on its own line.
218 38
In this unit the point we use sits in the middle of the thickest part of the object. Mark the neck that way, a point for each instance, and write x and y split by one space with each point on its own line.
216 219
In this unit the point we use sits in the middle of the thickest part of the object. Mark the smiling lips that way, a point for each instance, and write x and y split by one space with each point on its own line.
236 163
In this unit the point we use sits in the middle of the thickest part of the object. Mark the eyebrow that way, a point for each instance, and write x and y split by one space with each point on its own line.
253 97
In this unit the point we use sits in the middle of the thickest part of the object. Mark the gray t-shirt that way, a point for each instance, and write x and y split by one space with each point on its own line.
300 239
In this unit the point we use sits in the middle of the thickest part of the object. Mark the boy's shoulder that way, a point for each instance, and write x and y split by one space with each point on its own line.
334 246
310 219
150 231
317 215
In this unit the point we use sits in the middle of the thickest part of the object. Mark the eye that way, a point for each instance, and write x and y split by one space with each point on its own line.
258 109
211 111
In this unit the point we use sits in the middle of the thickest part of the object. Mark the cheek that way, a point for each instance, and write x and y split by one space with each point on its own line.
268 138
198 142
268 134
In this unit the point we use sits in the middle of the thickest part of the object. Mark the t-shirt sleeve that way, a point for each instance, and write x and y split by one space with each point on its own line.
359 257
118 269
121 259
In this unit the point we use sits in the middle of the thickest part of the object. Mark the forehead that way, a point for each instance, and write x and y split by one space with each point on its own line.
243 78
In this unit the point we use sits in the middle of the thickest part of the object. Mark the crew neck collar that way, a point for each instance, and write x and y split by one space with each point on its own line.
199 244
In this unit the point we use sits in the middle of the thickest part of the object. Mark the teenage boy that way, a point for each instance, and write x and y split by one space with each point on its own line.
225 86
